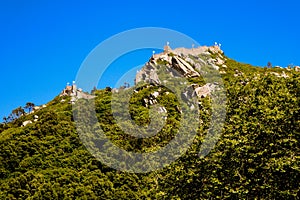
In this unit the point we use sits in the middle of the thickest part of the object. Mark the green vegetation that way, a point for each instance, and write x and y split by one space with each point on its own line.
162 62
257 156
171 54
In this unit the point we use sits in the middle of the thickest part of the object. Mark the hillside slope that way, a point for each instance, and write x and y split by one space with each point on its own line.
256 157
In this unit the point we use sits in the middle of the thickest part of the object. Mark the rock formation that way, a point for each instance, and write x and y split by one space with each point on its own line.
75 93
182 62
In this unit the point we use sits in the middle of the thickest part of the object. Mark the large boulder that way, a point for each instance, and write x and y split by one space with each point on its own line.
25 123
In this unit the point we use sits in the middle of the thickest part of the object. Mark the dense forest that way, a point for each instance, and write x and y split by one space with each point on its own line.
256 157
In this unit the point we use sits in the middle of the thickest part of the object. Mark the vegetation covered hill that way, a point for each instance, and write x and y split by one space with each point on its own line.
256 157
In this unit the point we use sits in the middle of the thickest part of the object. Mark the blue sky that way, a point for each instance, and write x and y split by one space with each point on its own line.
43 43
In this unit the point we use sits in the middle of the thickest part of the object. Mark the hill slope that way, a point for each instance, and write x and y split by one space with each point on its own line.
257 155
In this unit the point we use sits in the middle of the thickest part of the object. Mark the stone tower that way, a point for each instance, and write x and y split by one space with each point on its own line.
167 48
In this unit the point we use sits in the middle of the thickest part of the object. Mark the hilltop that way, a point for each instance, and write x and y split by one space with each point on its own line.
256 157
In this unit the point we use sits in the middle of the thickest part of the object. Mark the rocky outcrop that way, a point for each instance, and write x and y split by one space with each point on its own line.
147 74
282 75
36 118
75 93
182 62
237 73
185 68
25 123
205 90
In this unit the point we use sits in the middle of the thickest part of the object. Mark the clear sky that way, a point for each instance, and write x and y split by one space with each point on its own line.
43 42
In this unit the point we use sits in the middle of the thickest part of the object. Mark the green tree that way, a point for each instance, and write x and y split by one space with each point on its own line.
16 113
29 106
5 119
269 65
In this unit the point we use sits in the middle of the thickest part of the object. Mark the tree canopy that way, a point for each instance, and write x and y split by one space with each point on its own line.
257 156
